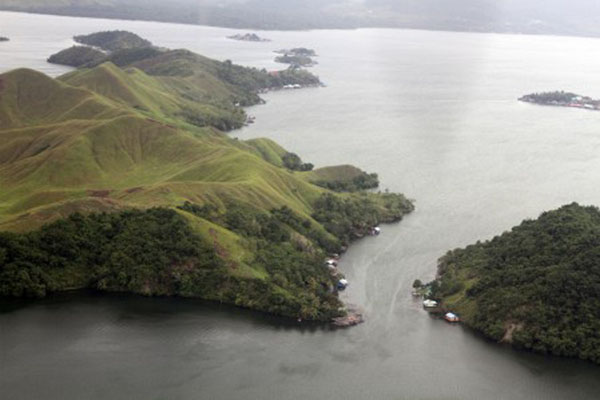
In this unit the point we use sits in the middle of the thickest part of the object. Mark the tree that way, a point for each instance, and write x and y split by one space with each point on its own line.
292 161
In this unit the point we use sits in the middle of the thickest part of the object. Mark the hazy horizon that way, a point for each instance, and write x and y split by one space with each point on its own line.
578 17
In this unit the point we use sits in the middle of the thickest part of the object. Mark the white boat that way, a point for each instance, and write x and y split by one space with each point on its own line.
451 317
430 303
342 284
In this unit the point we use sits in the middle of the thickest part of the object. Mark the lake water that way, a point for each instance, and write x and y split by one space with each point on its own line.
435 114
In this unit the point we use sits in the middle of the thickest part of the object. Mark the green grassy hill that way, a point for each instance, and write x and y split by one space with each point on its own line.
535 287
145 137
75 139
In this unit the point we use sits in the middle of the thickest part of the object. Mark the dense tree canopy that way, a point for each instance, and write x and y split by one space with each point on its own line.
151 252
155 252
113 40
537 286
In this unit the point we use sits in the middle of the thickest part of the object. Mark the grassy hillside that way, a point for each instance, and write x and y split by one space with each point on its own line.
145 137
120 137
535 287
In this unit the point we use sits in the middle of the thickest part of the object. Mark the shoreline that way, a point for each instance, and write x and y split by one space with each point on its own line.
354 313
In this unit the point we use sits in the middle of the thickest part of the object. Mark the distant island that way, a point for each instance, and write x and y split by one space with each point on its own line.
248 37
4 39
562 99
298 51
535 287
137 187
296 61
113 40
297 57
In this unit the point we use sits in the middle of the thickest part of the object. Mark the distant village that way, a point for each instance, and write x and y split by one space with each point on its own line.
562 99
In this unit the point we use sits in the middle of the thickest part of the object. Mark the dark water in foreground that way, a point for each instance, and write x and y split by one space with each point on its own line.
435 114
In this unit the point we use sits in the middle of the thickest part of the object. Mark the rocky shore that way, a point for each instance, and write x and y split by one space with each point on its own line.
354 316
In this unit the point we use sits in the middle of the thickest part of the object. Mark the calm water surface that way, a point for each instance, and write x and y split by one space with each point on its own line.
435 115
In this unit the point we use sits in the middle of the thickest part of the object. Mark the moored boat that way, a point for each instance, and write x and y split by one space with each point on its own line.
342 284
451 317
430 303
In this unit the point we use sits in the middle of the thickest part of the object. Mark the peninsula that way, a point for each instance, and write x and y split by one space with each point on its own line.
535 287
119 177
562 99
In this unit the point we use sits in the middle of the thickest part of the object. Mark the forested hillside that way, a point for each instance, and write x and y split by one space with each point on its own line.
536 287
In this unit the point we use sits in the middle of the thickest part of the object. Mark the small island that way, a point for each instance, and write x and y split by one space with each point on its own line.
298 51
4 39
248 37
113 40
296 61
297 57
562 99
